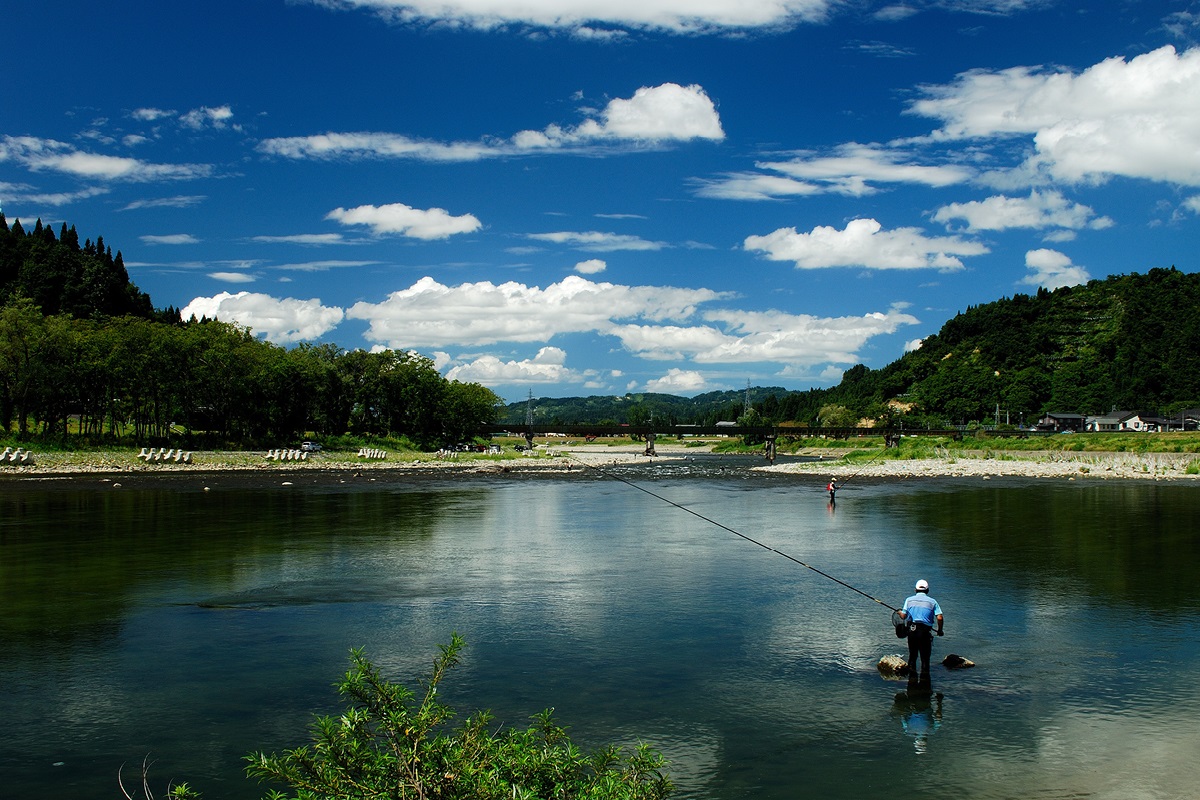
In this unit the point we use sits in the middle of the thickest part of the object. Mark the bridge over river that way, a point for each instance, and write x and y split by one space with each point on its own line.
767 434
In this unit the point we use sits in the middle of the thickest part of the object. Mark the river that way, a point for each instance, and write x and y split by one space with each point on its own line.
193 625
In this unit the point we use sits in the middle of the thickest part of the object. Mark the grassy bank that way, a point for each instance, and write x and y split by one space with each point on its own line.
985 444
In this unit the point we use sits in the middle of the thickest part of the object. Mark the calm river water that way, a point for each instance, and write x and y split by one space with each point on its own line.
196 626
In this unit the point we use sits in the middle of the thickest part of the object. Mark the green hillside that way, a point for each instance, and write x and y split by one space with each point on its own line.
1129 342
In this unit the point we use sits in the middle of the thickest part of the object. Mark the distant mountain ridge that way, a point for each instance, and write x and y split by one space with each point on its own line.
637 408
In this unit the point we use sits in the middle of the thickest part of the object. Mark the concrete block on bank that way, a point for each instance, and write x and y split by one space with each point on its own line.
286 455
18 457
163 455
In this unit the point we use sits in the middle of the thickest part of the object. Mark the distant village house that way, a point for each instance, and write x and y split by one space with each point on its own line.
1058 423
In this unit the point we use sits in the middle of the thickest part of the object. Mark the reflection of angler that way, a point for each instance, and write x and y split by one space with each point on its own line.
920 716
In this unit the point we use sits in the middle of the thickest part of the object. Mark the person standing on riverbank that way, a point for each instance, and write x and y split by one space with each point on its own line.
921 612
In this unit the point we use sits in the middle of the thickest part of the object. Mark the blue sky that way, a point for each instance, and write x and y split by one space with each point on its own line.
575 197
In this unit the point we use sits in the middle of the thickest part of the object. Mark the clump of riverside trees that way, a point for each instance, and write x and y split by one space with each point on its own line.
84 354
393 743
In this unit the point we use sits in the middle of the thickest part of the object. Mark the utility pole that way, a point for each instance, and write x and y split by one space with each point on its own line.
529 421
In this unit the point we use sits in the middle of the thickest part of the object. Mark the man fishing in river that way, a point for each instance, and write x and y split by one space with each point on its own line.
921 612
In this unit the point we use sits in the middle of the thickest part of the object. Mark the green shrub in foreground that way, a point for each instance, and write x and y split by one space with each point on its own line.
390 745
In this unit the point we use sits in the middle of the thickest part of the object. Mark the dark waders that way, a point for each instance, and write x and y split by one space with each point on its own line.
920 646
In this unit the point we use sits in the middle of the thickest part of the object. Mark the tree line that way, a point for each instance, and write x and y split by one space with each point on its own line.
103 364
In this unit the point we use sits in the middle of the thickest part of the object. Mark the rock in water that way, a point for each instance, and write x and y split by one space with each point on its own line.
892 667
955 661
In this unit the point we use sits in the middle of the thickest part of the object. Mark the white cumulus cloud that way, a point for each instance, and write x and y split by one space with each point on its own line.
376 145
657 113
47 154
597 241
852 169
21 192
678 381
282 321
1135 118
205 117
1051 269
864 243
547 367
592 266
654 115
170 238
430 314
741 337
593 18
1038 211
754 186
432 223
302 238
151 114
651 322
231 277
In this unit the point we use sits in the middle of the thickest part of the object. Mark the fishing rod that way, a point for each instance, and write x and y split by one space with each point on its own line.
739 534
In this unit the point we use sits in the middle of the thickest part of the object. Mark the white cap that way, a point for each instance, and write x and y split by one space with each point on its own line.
922 585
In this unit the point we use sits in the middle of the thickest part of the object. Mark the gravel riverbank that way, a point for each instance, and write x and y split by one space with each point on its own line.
1027 464
570 458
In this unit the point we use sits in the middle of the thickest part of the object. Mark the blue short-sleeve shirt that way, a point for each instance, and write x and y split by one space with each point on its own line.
923 609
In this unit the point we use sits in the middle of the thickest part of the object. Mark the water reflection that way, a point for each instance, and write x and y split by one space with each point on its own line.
920 713
200 626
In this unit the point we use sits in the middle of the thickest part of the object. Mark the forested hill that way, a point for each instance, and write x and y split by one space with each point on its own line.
1127 342
63 277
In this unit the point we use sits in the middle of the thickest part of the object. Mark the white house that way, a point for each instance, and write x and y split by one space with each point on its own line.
1138 421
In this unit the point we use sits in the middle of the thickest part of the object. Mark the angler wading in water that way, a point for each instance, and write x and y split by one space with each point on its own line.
921 612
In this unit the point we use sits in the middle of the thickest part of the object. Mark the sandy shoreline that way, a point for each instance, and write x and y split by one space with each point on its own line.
577 458
1073 466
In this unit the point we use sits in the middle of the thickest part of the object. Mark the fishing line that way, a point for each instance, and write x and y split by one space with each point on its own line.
724 527
864 466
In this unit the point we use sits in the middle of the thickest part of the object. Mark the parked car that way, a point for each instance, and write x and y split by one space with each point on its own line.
310 447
